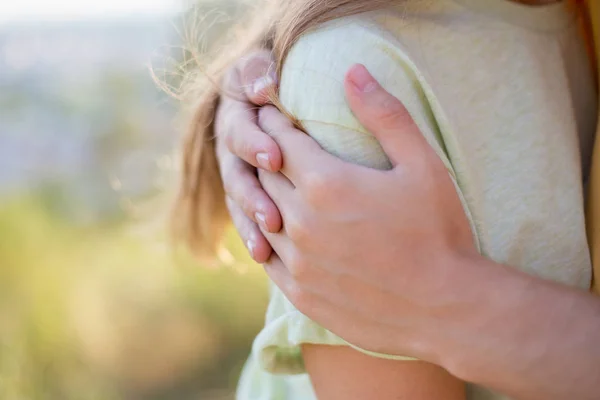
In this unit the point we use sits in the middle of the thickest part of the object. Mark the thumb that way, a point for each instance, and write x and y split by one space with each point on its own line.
383 115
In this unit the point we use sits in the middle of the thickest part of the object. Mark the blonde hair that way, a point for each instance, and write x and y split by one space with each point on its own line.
200 215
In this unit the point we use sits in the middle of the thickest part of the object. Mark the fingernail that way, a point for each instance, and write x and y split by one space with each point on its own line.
251 245
262 83
263 160
262 221
362 79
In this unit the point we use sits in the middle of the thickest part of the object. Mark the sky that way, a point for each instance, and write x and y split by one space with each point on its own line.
31 10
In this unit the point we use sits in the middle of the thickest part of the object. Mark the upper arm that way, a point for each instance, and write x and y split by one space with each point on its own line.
312 88
343 373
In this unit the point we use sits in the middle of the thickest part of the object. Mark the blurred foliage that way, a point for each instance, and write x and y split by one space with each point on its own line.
95 303
113 312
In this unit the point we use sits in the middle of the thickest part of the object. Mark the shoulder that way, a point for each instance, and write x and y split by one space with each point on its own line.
314 70
338 44
312 83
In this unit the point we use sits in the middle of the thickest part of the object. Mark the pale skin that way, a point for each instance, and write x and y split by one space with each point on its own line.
430 295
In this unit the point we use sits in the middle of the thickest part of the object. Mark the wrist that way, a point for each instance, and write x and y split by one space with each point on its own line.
480 302
486 327
518 334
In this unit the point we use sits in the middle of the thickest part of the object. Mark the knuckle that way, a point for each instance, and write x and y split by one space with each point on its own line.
244 148
318 187
238 145
315 185
297 229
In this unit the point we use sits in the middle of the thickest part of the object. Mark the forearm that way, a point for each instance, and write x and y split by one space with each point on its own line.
523 336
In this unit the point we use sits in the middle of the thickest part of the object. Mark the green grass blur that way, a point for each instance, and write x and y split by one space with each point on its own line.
111 311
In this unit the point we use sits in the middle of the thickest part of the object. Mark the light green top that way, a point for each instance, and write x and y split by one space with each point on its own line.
504 94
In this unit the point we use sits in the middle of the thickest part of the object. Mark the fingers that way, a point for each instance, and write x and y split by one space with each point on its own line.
244 189
238 132
383 115
257 245
251 79
300 274
287 279
278 188
355 327
236 121
242 146
300 152
257 74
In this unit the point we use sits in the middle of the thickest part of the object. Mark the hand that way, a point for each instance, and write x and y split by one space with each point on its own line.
242 146
386 260
366 253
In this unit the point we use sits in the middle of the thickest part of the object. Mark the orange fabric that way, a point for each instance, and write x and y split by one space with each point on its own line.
593 200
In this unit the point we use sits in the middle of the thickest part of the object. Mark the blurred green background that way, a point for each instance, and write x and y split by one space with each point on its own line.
94 301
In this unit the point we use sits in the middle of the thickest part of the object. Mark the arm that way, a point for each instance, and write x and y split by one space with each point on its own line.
363 376
311 95
537 340
524 336
342 373
492 347
441 301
